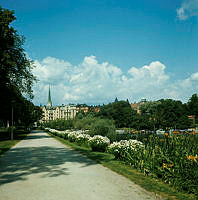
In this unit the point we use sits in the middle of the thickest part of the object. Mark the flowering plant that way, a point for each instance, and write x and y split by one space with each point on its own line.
72 136
99 143
124 147
82 138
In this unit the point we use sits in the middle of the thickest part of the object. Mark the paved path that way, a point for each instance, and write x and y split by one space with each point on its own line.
41 168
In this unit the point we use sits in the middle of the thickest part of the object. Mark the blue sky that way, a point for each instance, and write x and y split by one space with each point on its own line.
126 34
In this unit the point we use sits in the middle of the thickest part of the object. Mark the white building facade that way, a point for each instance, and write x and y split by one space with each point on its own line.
58 112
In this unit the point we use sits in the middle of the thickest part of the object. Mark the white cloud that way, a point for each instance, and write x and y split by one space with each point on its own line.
93 82
194 77
71 97
154 71
52 70
188 9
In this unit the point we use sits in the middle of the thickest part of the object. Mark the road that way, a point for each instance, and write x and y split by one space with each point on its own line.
41 168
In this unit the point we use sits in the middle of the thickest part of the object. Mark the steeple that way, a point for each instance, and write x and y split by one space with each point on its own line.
49 103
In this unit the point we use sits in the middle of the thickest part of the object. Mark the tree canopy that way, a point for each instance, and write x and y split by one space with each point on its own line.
16 77
120 111
166 113
15 67
192 105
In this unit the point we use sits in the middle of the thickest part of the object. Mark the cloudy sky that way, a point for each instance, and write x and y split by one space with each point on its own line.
91 51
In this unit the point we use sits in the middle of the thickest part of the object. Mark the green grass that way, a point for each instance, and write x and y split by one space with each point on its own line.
155 186
6 143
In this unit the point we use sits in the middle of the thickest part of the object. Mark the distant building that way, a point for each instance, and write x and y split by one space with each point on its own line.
49 103
136 106
82 108
58 112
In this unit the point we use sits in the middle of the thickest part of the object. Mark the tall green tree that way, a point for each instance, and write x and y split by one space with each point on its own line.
15 67
16 78
169 112
165 113
120 111
192 106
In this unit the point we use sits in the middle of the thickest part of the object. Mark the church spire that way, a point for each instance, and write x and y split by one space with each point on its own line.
49 103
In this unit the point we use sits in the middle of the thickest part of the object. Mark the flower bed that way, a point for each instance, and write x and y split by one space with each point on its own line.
172 159
99 143
122 149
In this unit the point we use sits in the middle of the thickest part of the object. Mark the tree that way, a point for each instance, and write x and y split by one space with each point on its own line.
141 122
120 111
165 113
171 111
104 127
16 77
192 106
116 99
149 118
15 67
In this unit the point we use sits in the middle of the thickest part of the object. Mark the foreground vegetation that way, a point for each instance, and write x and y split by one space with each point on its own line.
107 159
173 159
6 143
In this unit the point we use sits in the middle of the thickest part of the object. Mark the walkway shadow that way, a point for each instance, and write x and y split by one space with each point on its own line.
18 162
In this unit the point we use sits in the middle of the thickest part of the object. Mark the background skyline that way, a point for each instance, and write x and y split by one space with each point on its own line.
93 51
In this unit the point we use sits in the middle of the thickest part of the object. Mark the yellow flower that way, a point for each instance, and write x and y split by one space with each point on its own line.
166 166
193 158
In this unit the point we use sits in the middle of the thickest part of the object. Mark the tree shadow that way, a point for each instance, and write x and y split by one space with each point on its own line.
20 162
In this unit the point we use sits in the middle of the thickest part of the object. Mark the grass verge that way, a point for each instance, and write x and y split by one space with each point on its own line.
150 184
6 143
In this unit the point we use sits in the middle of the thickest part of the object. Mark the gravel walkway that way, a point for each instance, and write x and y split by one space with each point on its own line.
41 168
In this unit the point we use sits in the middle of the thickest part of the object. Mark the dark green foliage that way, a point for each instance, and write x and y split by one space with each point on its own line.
119 111
16 77
15 68
80 114
60 124
169 112
165 113
142 122
192 107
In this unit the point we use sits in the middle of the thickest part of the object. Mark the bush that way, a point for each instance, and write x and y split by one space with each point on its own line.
124 148
82 138
99 143
84 123
103 127
79 137
59 124
72 136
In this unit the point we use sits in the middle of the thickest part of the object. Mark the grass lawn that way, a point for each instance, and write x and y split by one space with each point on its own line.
6 143
155 186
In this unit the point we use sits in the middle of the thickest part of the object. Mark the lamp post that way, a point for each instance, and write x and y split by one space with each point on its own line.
12 102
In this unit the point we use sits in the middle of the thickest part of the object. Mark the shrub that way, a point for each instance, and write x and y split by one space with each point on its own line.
78 136
84 123
60 124
82 138
103 127
72 136
99 143
124 148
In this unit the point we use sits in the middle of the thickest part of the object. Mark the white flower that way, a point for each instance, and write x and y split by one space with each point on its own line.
125 146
